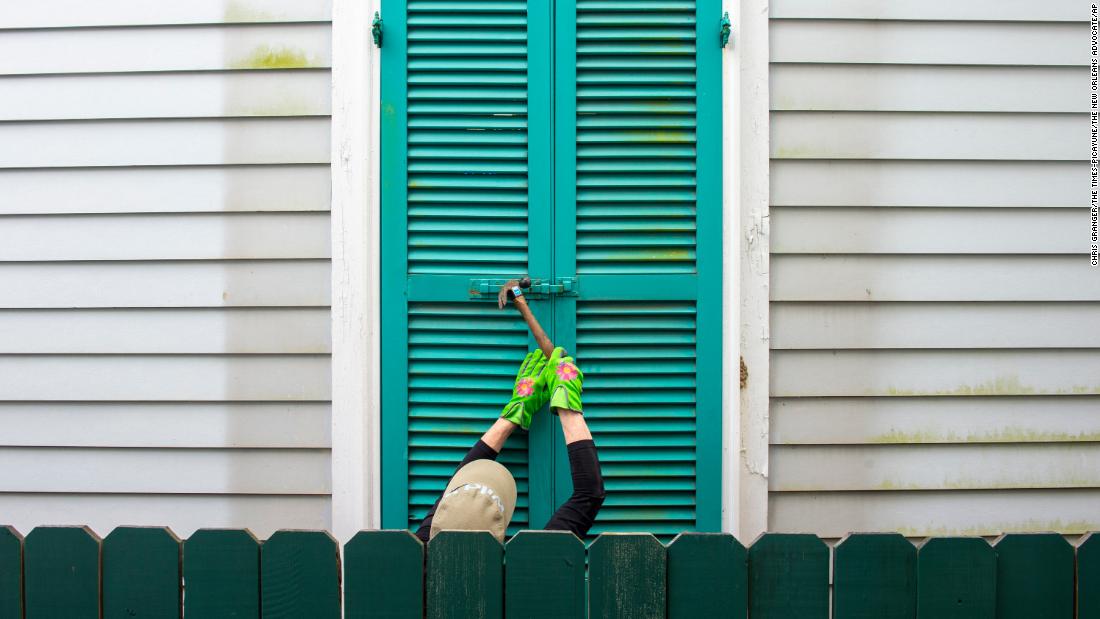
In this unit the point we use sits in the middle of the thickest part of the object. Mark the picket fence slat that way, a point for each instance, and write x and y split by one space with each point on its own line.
1034 576
300 575
628 575
875 577
544 575
956 579
1088 577
384 576
788 577
141 573
464 578
221 572
61 573
708 576
11 572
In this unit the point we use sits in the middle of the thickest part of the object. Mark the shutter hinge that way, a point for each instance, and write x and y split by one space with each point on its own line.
487 289
376 30
724 33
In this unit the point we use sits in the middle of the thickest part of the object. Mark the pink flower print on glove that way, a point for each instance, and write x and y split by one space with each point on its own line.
525 387
566 371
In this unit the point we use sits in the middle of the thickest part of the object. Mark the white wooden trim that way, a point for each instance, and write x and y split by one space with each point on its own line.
355 271
745 276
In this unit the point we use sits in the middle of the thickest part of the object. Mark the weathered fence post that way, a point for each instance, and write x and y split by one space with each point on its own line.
61 573
300 575
11 573
1088 577
384 575
141 573
956 579
1034 576
788 577
465 574
544 575
221 574
875 577
708 576
627 576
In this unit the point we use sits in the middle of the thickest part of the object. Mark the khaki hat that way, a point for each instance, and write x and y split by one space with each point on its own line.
480 497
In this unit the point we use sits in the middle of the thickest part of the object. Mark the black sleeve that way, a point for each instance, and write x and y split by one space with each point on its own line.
579 512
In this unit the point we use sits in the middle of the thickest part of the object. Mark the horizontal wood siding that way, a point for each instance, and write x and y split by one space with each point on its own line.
933 313
164 264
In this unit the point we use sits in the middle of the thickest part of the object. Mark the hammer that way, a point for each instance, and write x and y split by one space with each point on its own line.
544 343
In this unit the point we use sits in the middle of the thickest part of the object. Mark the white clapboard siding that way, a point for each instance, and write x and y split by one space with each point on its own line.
238 283
164 264
908 135
948 512
79 13
189 48
181 189
929 42
300 330
797 468
288 424
182 378
813 373
873 230
184 513
922 88
871 325
896 420
825 182
933 278
935 364
164 142
195 236
977 10
165 95
186 471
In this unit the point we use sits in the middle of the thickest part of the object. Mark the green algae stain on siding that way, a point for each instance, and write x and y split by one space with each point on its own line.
996 528
241 12
1008 434
275 57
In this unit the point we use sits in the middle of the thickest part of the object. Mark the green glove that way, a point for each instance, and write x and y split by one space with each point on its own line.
564 379
529 393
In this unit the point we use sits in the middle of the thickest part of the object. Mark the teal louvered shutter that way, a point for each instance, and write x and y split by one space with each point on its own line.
638 214
459 139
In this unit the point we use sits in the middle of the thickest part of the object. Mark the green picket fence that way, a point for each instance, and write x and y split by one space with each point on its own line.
70 573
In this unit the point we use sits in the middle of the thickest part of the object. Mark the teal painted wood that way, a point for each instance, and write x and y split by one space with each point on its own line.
465 576
788 577
384 576
61 573
627 577
638 220
544 575
462 126
141 573
221 574
300 576
1034 576
1088 576
708 248
11 572
708 576
874 577
393 270
544 434
956 579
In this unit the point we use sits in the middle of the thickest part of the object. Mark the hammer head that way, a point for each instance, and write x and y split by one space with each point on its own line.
505 293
